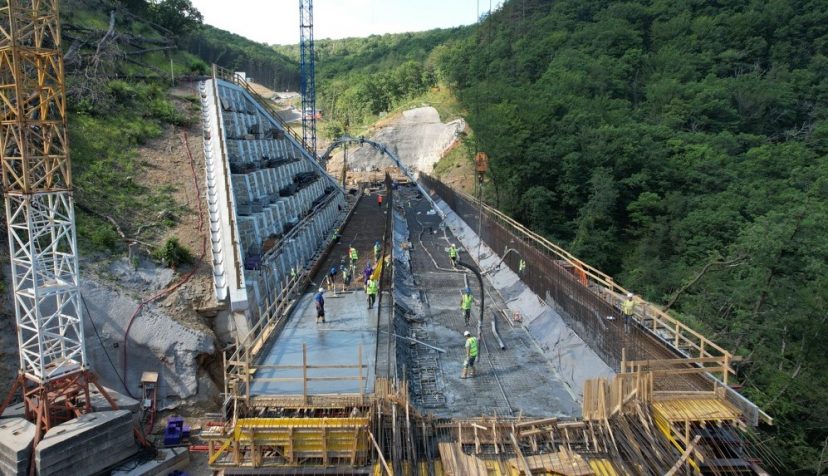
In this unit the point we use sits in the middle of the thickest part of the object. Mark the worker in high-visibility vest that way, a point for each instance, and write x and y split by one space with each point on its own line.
628 309
453 255
372 288
377 250
521 266
466 301
471 355
354 256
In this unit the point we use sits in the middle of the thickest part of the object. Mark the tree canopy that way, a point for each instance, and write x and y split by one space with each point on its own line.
683 148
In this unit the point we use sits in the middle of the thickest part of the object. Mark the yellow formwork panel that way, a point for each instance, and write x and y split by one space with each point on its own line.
305 437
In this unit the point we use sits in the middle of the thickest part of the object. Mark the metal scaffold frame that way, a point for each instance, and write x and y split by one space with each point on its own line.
38 183
53 379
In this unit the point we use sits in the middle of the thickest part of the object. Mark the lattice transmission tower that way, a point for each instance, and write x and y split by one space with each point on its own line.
307 72
37 181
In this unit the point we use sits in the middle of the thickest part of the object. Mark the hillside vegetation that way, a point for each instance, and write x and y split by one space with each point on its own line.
682 147
358 79
119 61
236 53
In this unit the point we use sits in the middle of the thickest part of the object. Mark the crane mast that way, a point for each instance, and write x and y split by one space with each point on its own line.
40 217
307 73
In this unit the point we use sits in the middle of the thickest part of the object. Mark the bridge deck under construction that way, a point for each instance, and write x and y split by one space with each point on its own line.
339 355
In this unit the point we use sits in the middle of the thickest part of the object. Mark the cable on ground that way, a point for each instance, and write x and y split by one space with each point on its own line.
168 290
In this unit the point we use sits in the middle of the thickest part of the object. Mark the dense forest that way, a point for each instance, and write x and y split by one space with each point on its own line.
683 148
360 78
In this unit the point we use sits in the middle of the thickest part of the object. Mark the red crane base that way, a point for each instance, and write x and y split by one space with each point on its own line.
51 403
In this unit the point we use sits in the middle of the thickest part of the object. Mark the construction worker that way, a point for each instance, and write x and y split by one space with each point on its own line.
367 272
377 250
336 235
453 255
521 266
346 278
320 305
331 279
466 300
354 255
471 355
371 288
628 309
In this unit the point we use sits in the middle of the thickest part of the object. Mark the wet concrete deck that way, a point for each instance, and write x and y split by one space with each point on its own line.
516 381
349 325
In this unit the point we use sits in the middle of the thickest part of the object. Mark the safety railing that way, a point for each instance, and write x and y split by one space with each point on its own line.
360 375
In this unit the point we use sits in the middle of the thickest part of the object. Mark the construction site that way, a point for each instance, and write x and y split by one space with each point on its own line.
565 381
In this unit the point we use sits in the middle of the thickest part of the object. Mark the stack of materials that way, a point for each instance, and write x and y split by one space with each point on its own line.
16 435
94 442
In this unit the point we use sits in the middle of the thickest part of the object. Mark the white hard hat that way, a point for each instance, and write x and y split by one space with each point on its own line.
629 294
467 333
321 290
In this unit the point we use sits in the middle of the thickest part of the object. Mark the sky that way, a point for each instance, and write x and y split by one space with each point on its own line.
277 21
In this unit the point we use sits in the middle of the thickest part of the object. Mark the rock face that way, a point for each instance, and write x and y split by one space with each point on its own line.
157 342
417 137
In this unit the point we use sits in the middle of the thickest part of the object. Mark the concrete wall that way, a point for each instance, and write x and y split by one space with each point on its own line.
264 189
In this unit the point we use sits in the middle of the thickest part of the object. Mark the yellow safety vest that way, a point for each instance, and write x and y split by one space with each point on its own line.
354 253
471 344
467 302
373 286
453 252
628 307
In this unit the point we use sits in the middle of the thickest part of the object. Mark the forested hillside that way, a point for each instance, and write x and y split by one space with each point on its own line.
360 78
682 147
120 58
237 53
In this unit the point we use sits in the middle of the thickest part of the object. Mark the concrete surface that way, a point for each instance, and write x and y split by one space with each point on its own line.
573 359
348 325
100 404
88 444
157 343
16 435
418 137
166 461
516 381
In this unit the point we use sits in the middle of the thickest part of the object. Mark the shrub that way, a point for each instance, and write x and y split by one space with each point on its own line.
173 254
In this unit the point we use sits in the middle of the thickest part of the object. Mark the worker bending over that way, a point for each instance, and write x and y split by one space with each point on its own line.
466 301
354 255
471 355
